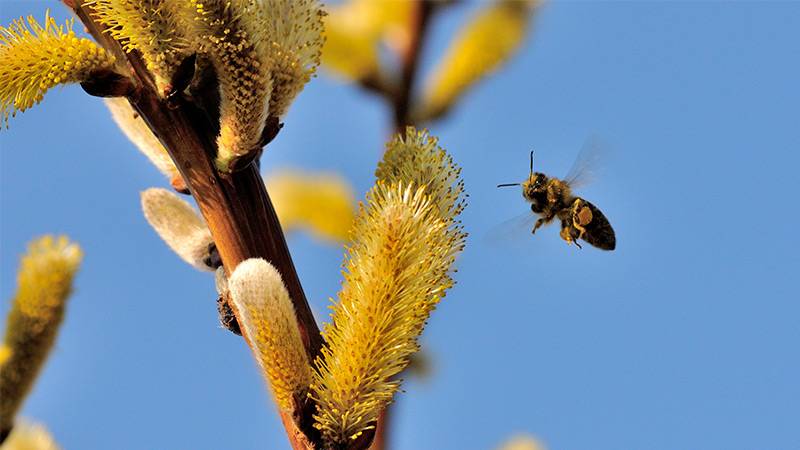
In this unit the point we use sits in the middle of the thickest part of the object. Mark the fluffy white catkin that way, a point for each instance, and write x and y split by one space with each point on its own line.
179 225
267 318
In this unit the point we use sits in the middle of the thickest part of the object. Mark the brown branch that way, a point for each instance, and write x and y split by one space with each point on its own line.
410 62
236 207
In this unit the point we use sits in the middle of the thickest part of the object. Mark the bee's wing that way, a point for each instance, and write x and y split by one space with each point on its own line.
512 230
588 163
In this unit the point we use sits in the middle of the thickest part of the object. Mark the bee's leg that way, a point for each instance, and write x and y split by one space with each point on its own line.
538 225
542 221
581 216
569 233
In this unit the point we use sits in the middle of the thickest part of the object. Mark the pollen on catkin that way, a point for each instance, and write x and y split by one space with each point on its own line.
415 156
137 131
34 58
482 46
44 283
292 31
226 32
179 225
149 26
267 318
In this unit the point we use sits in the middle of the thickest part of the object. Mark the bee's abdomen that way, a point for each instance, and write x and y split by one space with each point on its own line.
597 229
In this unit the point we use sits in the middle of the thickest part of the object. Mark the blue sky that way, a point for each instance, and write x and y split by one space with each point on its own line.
684 337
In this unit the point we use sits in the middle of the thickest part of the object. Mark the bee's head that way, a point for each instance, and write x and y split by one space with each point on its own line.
535 185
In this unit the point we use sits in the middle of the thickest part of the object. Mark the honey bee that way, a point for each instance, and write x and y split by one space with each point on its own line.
552 198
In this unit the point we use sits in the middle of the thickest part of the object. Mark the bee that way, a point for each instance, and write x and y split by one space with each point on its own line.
552 198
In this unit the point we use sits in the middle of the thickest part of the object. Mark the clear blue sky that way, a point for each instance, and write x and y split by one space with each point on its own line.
685 337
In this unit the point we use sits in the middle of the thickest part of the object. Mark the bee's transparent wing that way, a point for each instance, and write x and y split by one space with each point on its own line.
512 230
588 163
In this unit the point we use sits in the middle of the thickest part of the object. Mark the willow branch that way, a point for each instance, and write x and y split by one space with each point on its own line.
236 207
410 62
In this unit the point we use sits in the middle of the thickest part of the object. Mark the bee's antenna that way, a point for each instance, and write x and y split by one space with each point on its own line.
507 184
531 162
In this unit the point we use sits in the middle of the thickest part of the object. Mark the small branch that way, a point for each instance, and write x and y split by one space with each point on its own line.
410 62
381 440
236 207
378 83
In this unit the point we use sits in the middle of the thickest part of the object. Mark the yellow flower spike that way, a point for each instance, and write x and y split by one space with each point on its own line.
227 32
149 26
293 29
354 31
321 202
44 282
396 271
482 46
268 320
522 442
29 436
35 58
404 242
137 131
180 226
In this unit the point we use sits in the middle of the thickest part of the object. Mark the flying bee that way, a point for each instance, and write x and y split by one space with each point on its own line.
552 198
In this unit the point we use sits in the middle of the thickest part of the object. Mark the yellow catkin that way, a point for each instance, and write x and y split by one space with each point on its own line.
267 318
34 58
29 436
179 225
522 442
482 46
44 282
149 26
226 32
323 203
354 31
137 131
404 242
292 30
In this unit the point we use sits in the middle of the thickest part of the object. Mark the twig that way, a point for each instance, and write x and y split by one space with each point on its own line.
410 62
236 207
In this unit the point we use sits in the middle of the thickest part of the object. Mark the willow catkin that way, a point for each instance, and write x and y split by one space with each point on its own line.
44 283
